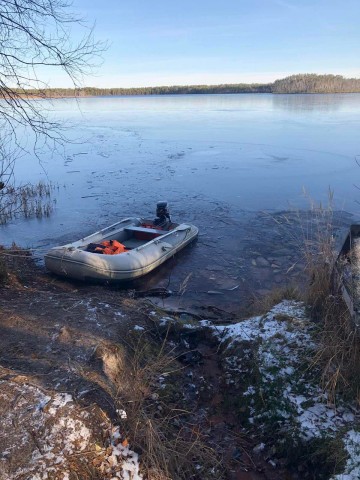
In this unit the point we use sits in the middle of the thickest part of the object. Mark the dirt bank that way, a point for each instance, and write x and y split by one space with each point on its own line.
98 384
64 338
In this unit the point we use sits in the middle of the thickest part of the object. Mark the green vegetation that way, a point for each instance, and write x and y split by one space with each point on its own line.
302 83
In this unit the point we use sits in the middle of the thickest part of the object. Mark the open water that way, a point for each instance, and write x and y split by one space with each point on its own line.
220 160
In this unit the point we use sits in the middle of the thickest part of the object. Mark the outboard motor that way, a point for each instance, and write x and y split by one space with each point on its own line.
163 218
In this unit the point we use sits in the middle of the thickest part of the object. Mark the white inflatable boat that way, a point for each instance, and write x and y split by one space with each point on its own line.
147 246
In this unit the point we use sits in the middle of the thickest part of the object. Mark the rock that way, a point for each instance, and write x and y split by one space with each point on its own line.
191 358
215 268
262 262
236 454
65 335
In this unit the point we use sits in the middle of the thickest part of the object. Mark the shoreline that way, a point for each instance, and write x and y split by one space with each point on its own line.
70 348
173 94
294 84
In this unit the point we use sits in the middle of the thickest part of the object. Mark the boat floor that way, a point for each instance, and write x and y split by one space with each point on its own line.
133 242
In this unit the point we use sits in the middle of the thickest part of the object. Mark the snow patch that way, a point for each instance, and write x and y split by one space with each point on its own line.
49 430
352 468
280 342
59 401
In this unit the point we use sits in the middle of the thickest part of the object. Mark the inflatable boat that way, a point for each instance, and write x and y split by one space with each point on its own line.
146 244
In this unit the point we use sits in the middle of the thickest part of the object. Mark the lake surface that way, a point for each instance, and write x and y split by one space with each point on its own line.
218 159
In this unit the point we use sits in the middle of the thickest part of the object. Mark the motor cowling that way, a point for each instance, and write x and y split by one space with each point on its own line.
162 214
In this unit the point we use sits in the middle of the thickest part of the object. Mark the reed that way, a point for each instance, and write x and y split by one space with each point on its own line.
338 355
28 201
339 351
3 267
320 255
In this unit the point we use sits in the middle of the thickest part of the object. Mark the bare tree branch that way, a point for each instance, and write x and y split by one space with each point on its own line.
36 35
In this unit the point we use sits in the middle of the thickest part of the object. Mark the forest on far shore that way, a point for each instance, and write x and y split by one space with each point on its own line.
301 83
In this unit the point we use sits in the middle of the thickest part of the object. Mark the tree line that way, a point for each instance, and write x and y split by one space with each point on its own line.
302 83
165 90
312 83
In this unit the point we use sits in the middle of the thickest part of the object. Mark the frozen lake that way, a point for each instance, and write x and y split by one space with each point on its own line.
218 159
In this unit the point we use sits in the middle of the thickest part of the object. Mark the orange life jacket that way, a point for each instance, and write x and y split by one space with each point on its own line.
110 247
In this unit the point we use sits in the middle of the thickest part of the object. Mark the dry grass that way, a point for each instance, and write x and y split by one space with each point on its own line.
338 357
311 234
339 352
148 391
11 262
265 303
3 267
320 255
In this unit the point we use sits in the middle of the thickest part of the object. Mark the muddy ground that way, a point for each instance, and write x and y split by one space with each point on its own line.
50 333
53 335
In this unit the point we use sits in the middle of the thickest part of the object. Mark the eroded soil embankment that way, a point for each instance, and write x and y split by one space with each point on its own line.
60 336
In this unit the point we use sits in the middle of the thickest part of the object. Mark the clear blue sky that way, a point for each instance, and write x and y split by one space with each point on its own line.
173 42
